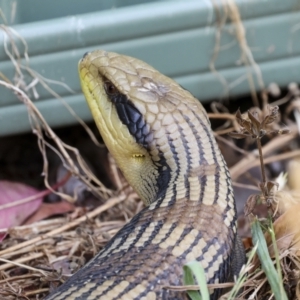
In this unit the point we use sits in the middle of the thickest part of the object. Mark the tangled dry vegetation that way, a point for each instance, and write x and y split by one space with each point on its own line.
36 258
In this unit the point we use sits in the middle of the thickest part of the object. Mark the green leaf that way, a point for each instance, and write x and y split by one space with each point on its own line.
242 277
274 279
193 270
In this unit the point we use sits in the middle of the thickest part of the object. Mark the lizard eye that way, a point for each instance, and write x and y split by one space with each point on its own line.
110 89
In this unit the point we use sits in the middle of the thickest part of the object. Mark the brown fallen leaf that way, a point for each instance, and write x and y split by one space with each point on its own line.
49 209
17 203
293 170
287 231
284 200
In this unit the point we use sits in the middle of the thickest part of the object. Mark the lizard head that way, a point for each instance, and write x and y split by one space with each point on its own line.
136 110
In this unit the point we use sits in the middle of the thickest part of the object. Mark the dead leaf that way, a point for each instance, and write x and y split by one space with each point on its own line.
49 209
250 204
284 200
287 231
293 172
14 212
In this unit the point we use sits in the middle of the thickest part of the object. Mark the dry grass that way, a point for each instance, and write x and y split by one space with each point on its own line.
35 258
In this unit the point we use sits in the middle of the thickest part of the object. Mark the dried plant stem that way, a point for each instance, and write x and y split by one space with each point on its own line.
180 288
19 262
225 116
224 131
35 255
230 144
246 54
245 186
221 21
35 292
40 226
261 158
19 277
38 246
282 156
22 266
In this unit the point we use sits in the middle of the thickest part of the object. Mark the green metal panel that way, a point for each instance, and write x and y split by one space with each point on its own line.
20 11
175 36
